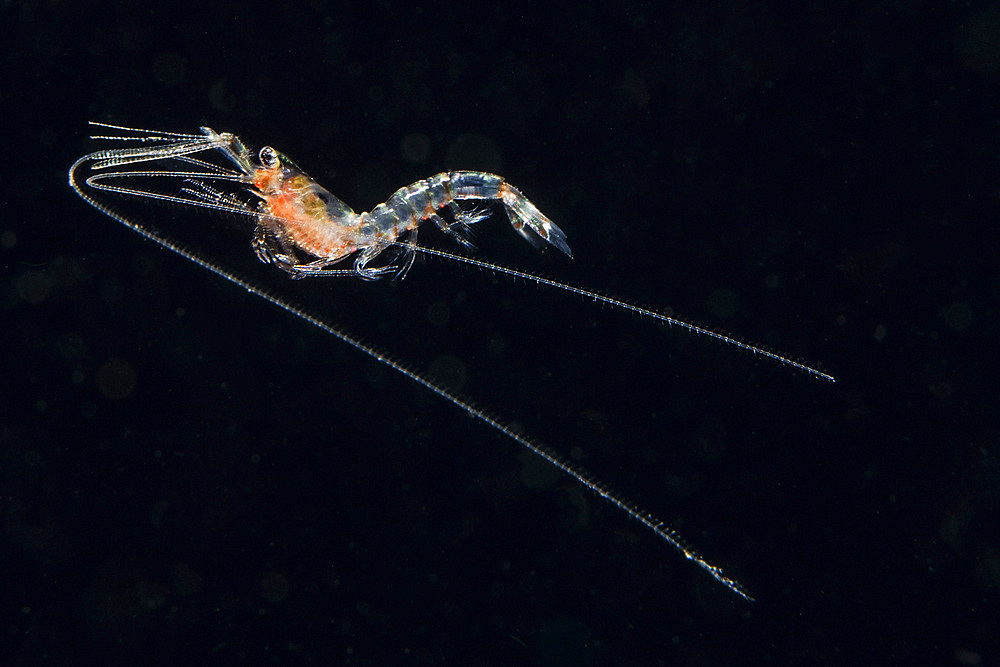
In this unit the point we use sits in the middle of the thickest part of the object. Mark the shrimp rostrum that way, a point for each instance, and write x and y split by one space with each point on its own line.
301 227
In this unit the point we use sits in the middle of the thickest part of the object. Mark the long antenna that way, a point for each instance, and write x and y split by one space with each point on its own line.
622 305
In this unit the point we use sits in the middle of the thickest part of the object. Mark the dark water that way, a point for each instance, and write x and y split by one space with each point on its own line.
189 475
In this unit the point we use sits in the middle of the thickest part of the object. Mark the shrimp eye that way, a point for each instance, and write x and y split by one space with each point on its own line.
268 157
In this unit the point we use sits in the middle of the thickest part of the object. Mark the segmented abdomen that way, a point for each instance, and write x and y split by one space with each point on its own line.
409 206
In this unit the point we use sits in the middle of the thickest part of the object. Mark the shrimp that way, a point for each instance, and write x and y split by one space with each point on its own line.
304 230
298 216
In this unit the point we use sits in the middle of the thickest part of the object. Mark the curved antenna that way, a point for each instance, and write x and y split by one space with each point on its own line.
622 305
658 528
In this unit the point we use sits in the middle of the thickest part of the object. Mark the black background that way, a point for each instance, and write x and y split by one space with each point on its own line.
188 474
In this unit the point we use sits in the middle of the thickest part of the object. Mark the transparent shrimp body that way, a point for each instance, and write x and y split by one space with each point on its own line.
300 217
